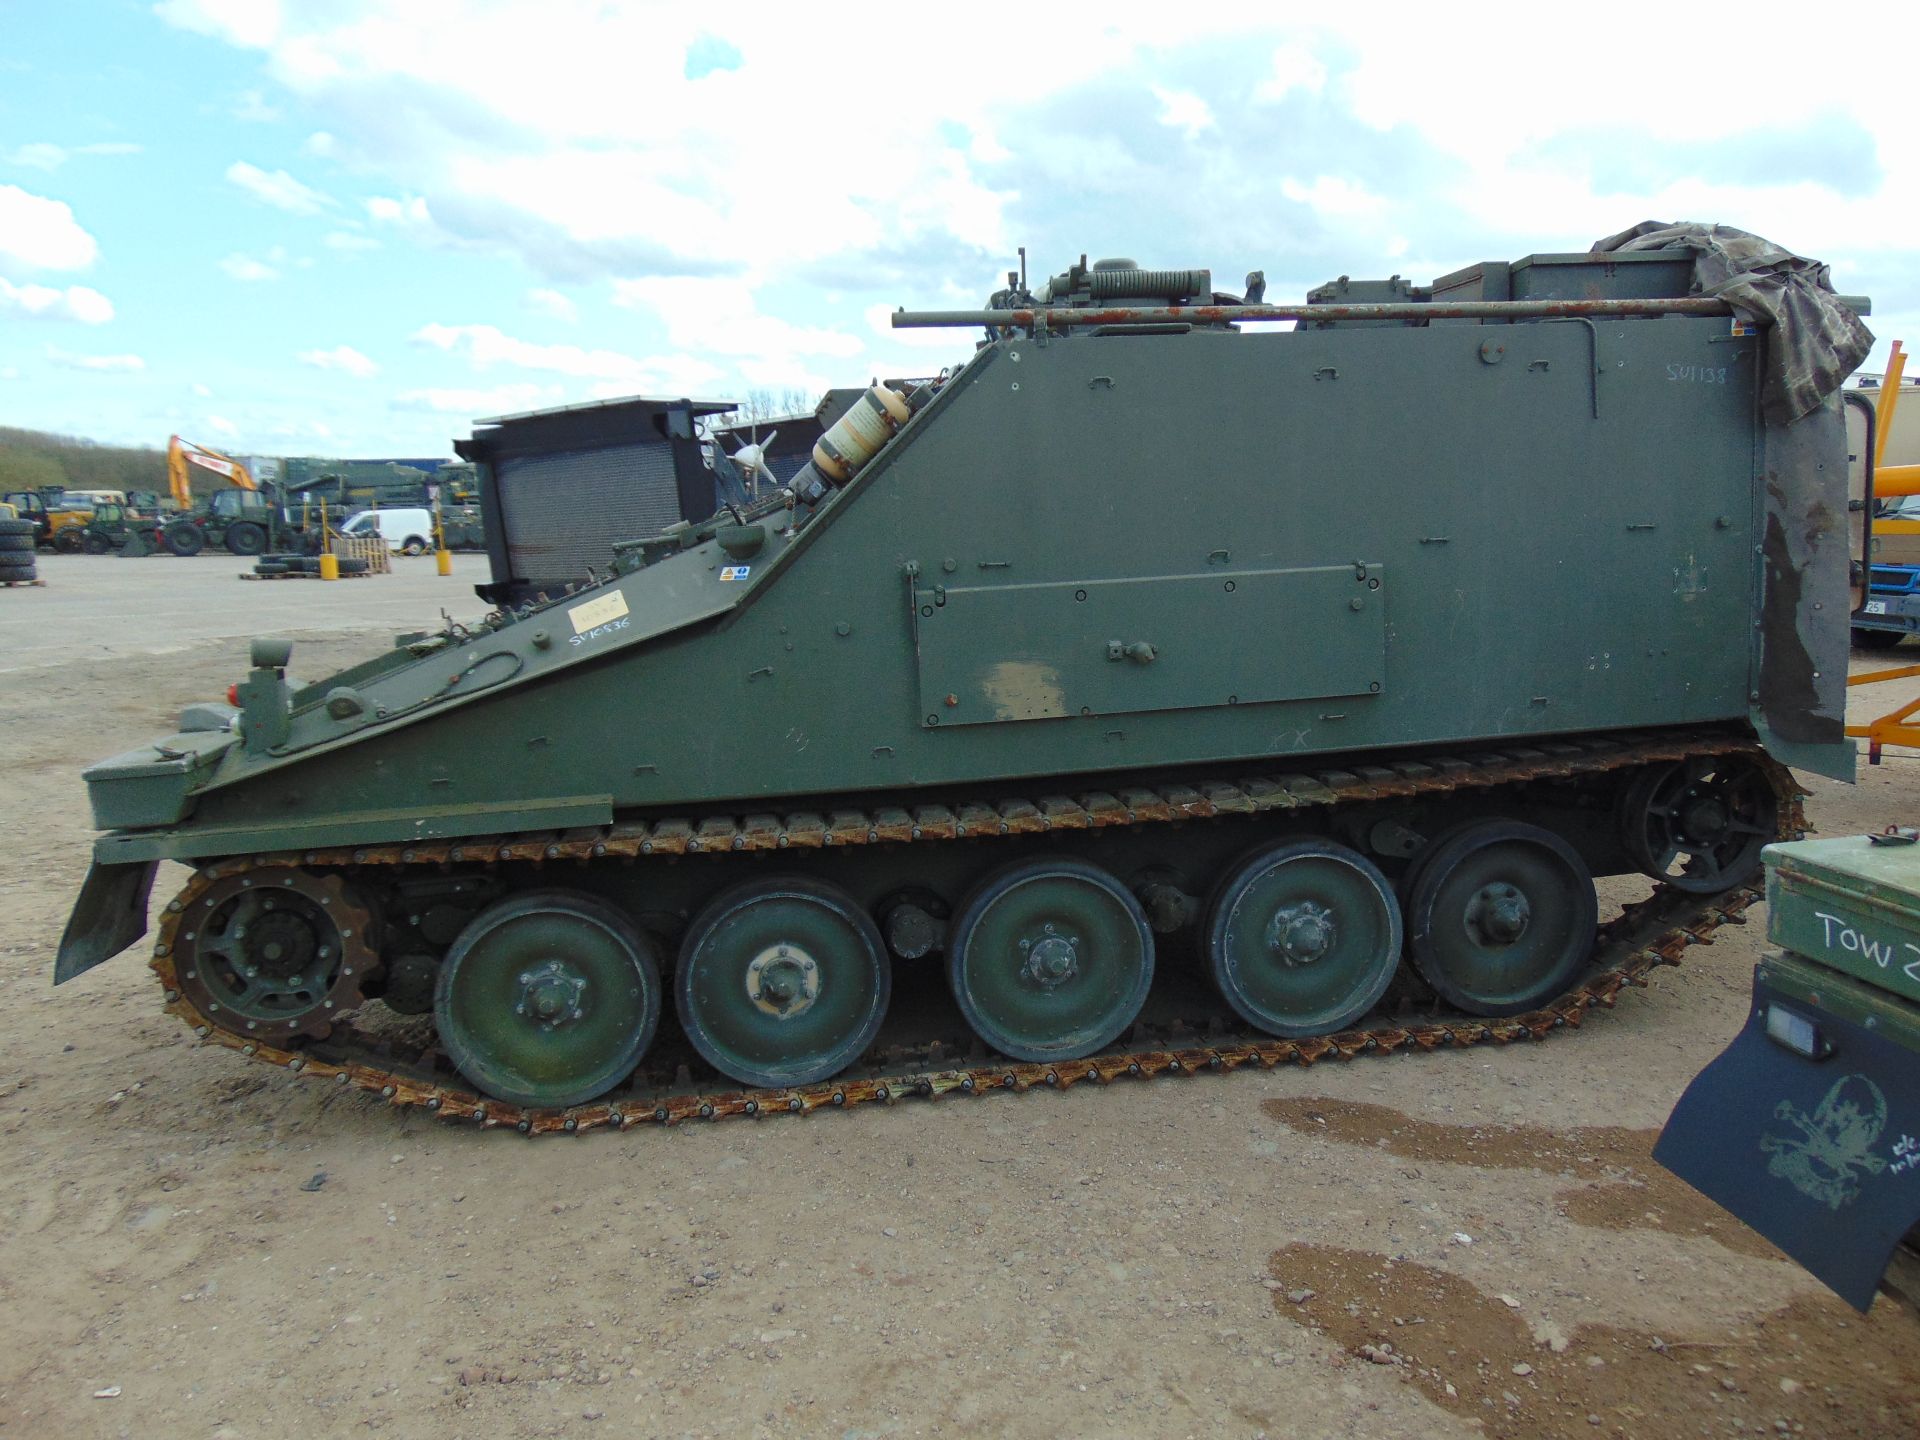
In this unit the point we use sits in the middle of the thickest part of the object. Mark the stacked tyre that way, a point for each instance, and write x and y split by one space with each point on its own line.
16 551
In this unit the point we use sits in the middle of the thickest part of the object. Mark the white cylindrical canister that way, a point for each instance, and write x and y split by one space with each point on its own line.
856 437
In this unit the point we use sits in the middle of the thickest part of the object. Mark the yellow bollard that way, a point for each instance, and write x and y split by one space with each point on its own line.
442 557
329 562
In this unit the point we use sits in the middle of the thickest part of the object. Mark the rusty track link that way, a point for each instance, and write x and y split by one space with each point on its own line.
1647 935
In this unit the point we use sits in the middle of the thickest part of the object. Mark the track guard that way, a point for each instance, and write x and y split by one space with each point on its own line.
1820 1156
110 915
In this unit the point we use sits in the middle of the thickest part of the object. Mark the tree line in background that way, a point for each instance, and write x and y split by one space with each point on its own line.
33 459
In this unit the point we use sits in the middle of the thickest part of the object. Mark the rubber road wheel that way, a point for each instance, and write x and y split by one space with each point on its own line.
183 537
413 545
246 538
11 544
270 567
94 543
352 565
1502 918
14 525
1050 959
782 981
548 999
69 540
1303 937
1865 639
22 568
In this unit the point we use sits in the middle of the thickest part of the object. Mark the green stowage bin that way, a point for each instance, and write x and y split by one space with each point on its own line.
1850 905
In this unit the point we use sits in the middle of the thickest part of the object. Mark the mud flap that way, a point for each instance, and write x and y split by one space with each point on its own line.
1821 1156
1806 544
110 915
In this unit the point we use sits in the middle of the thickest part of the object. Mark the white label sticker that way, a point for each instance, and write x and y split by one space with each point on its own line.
735 572
589 613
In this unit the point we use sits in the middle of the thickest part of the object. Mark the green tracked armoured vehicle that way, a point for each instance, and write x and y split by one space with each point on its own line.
1153 657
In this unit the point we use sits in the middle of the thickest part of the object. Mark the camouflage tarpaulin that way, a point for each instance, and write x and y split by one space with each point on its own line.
1813 341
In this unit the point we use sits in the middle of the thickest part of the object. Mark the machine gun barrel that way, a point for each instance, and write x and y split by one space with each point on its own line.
1061 317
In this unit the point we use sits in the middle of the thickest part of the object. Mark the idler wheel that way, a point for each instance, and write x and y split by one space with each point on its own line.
1700 825
782 982
1303 937
548 998
274 954
1050 959
1501 917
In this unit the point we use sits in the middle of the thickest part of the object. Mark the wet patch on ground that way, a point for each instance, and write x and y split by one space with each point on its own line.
1811 1368
1622 1188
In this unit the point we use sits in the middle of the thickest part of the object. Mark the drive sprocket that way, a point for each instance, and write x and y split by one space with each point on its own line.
272 955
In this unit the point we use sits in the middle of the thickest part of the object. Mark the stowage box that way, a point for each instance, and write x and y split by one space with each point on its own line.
1851 905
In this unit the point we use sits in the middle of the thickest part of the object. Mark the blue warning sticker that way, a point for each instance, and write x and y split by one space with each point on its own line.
735 572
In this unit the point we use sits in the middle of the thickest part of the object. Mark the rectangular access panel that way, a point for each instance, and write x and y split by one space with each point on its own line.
992 653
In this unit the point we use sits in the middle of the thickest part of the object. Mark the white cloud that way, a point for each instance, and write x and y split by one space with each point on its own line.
722 318
498 400
1295 67
487 345
221 425
278 189
301 430
1183 110
205 392
42 233
38 156
552 303
76 302
41 155
341 357
246 268
1335 195
95 362
349 240
320 143
250 23
386 210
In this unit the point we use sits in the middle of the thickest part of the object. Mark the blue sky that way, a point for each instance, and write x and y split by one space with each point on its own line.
352 228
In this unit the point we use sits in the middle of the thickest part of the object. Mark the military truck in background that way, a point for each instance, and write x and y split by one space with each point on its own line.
244 522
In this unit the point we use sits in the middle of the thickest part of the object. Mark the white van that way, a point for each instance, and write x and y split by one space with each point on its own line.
406 529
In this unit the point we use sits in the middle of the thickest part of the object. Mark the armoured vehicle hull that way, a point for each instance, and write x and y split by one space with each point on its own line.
1087 586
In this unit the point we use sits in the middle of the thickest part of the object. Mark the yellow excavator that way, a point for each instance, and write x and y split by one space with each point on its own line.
183 453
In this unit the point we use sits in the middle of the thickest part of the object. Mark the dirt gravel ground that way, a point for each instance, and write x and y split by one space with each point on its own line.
1275 1254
